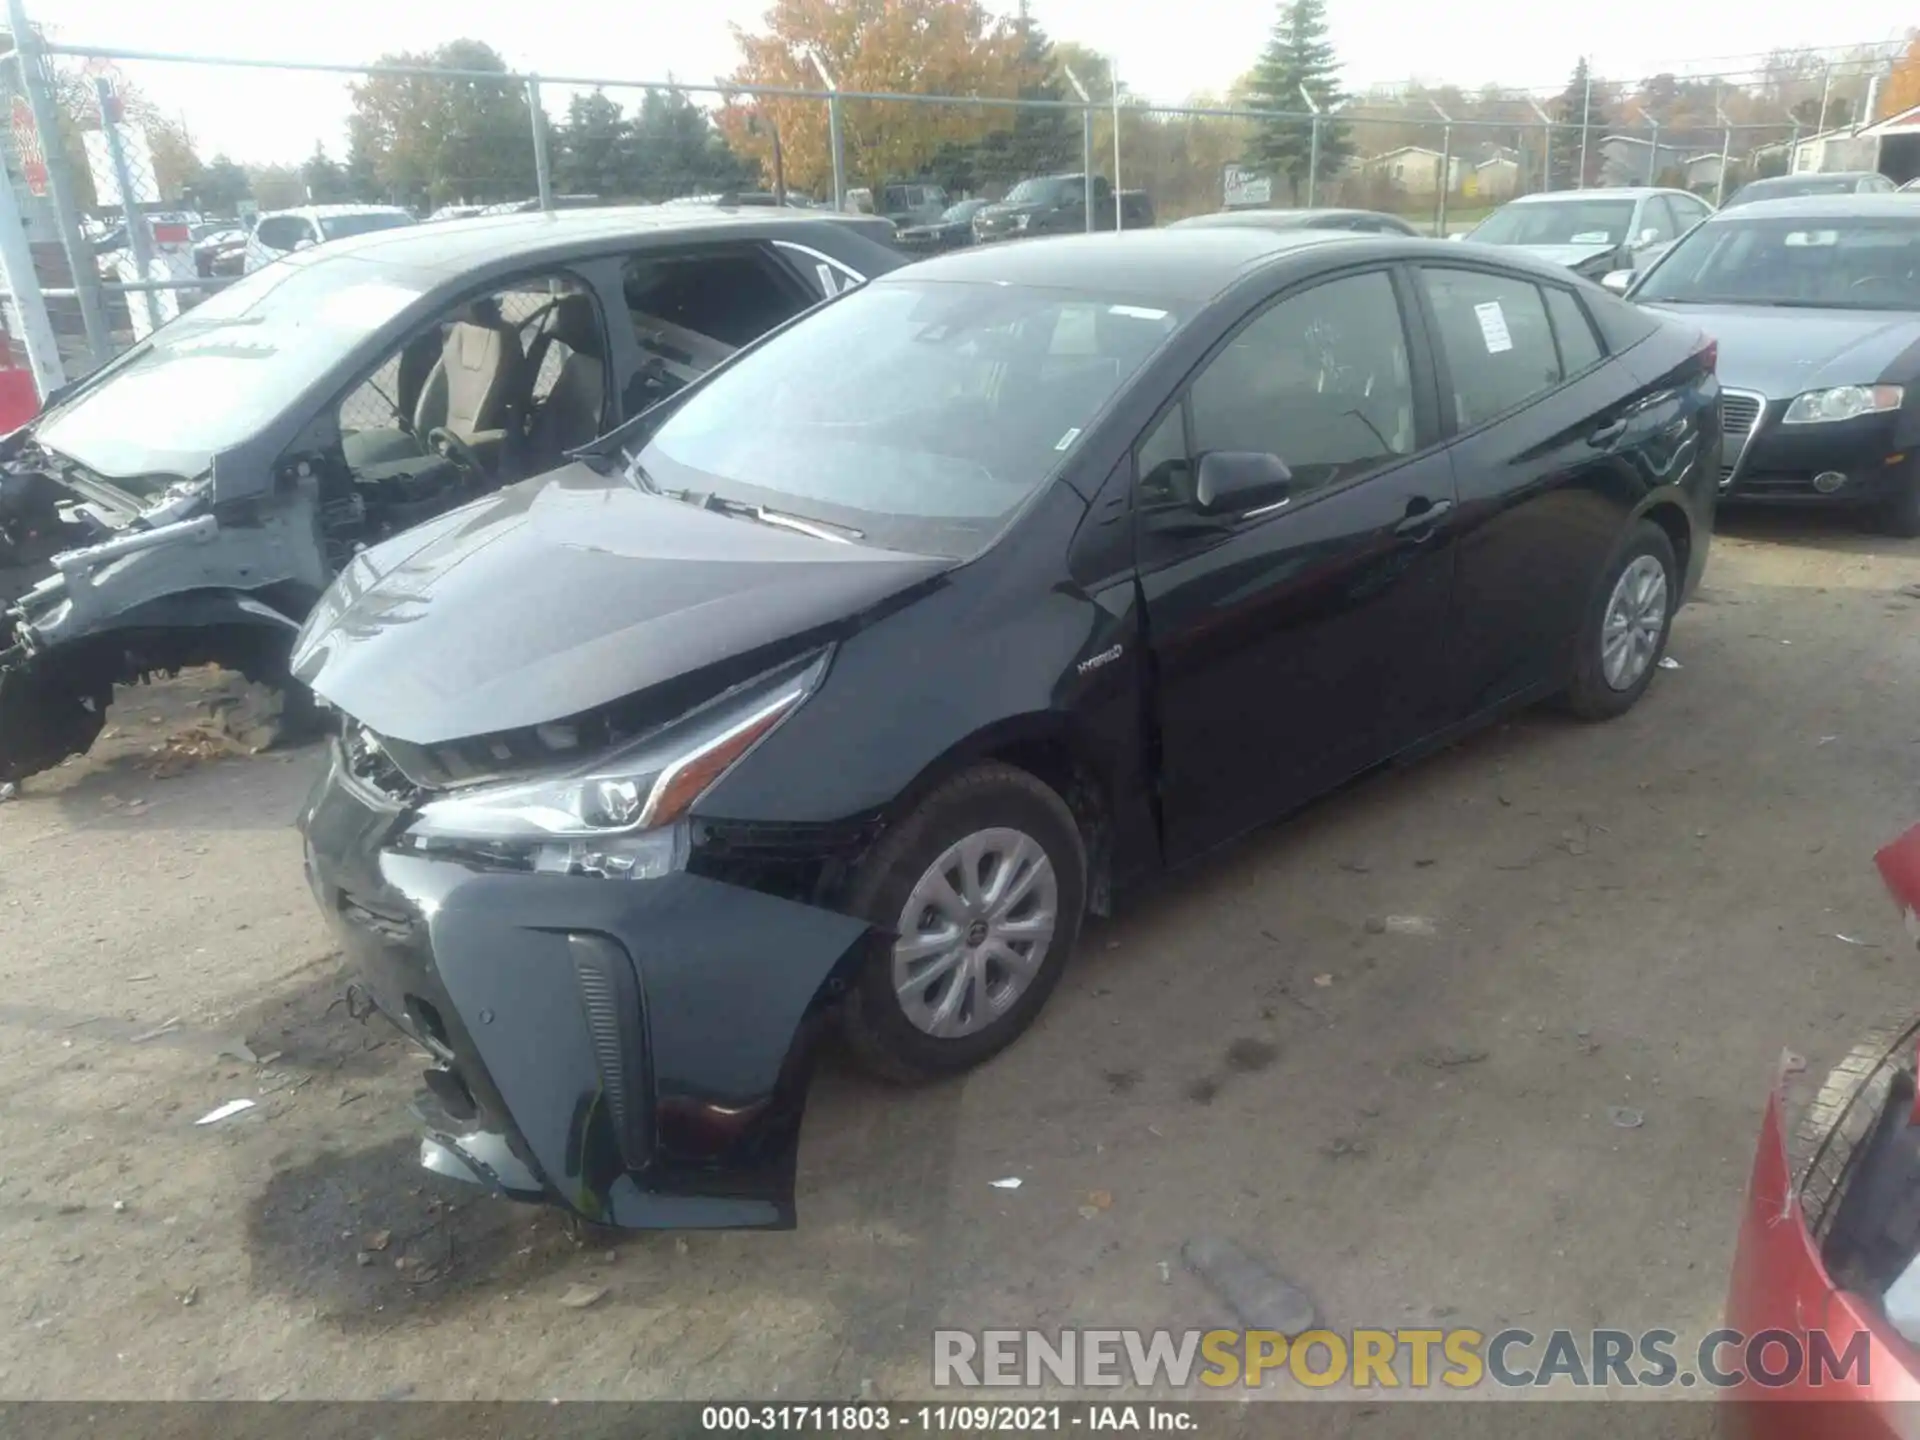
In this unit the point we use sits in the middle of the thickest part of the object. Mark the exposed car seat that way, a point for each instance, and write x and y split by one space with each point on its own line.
473 389
572 411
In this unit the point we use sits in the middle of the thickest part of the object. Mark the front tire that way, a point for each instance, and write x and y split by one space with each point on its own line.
977 898
1625 633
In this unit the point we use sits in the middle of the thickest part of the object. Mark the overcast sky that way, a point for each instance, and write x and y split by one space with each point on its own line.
1167 50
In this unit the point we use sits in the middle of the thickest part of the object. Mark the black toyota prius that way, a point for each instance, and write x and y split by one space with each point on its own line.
838 688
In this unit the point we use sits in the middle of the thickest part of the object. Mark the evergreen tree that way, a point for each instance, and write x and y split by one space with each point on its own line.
1043 140
676 150
1580 104
593 149
325 180
1298 57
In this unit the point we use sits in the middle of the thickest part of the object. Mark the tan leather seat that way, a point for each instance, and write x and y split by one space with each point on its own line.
472 390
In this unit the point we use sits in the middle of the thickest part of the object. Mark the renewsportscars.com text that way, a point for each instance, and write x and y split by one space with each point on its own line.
1456 1359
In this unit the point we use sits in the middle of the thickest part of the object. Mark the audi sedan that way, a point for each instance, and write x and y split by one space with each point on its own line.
841 687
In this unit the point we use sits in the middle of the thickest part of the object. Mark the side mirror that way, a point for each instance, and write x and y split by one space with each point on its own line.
1617 280
1240 480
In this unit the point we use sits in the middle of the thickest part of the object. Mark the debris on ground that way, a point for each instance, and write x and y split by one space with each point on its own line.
379 1240
1667 662
1401 925
1343 1147
1088 1212
1851 939
237 1050
1451 1057
1625 1118
222 1112
186 749
1012 1182
579 1297
8 791
1257 1295
1100 1199
165 1027
1323 981
1826 740
1166 1273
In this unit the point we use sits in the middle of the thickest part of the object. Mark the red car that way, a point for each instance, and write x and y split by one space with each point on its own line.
1832 1220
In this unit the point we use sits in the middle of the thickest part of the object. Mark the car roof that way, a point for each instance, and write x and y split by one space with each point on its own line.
1801 177
322 212
1823 207
1193 264
459 245
1279 217
1610 192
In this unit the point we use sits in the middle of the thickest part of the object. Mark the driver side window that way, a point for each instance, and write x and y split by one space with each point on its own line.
1320 379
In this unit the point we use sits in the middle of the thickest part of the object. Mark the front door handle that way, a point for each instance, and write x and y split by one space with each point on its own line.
1607 434
1422 517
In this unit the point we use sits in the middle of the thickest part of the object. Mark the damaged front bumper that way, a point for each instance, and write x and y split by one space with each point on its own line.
634 1050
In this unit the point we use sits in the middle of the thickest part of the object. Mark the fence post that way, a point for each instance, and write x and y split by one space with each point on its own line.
1653 154
542 163
1586 123
1086 142
28 319
1119 210
86 278
1726 151
129 202
1446 168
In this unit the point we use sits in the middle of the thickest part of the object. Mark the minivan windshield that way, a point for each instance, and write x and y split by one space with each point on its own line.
1557 222
339 227
1838 263
214 377
918 415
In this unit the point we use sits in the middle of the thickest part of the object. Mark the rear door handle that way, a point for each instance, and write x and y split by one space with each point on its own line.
1607 434
1420 523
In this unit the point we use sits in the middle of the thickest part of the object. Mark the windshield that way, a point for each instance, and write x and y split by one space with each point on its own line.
919 414
1034 192
963 211
1785 188
1838 263
1557 222
214 377
338 227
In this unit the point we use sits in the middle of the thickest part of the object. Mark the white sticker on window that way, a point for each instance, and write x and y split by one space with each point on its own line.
1137 312
1591 237
1493 327
1068 438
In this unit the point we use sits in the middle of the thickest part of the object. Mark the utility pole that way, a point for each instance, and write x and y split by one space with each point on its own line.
1113 74
1586 117
1446 168
1086 140
1546 154
1313 146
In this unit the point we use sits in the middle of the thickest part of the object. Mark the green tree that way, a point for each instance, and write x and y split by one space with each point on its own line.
1298 58
437 140
223 186
363 168
1041 140
1581 107
593 149
676 150
325 179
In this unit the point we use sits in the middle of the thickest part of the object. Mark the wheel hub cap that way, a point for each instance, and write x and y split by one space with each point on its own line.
1635 620
974 932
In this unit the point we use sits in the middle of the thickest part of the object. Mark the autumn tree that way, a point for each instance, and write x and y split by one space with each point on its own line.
1042 138
441 139
926 47
1901 92
1298 62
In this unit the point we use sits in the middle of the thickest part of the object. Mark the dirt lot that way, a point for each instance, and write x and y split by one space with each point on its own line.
1414 1127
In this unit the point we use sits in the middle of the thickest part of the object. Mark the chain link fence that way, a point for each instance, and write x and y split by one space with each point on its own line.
129 224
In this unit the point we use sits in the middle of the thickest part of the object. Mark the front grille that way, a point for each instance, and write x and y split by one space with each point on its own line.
367 761
1739 419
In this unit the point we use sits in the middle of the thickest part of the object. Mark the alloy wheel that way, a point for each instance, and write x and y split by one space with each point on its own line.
1635 620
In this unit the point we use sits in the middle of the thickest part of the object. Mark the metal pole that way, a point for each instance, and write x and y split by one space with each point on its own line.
1653 155
1313 147
1586 118
1546 149
542 162
1826 89
129 203
1113 73
833 131
26 307
86 278
779 169
1446 168
1086 142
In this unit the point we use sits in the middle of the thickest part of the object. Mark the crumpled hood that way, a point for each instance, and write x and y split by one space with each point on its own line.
1780 351
564 593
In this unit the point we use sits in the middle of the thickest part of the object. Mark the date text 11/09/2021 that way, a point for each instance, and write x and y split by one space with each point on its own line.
939 1419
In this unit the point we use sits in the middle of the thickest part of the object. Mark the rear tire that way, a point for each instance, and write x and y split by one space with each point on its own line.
1618 616
990 947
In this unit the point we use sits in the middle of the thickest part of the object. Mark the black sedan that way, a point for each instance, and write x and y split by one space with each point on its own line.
952 231
848 681
1816 305
1360 222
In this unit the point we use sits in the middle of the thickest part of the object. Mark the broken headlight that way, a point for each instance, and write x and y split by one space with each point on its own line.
623 816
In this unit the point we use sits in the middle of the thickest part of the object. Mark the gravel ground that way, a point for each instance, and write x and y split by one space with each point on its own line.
1412 1126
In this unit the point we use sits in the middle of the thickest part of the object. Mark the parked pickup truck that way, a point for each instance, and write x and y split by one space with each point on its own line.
1057 205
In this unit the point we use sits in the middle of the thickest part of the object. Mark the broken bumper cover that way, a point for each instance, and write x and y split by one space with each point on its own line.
1781 1286
634 1050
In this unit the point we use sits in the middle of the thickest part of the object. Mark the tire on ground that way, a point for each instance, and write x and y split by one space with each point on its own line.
1589 696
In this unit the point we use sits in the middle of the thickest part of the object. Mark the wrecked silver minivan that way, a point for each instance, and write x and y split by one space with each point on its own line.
187 503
